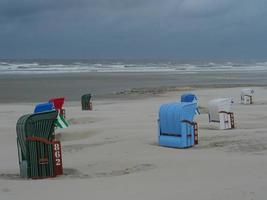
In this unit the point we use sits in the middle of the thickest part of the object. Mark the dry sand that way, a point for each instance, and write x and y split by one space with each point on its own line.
112 153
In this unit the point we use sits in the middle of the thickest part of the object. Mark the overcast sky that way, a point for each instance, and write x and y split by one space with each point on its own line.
162 29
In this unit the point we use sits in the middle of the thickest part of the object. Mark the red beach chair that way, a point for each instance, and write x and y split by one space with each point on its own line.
58 104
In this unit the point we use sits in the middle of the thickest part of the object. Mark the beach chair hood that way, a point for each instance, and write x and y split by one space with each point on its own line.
58 102
190 97
217 105
247 92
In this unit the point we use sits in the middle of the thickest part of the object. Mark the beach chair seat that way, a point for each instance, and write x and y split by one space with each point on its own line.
86 101
176 127
247 95
220 111
38 151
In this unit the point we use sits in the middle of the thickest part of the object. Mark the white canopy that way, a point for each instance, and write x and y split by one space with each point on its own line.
247 92
217 105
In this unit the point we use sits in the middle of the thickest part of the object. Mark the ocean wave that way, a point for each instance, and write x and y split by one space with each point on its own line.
46 67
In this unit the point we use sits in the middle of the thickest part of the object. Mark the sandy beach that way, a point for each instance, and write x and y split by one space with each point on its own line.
112 152
133 59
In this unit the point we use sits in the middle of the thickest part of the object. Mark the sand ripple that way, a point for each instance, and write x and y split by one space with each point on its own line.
74 173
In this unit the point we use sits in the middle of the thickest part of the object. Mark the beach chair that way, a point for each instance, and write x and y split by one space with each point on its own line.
38 151
220 111
58 104
86 101
176 127
190 97
246 96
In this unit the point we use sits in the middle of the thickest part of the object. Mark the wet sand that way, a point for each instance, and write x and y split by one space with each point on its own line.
35 88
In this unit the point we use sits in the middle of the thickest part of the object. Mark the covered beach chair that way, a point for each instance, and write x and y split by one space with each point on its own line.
190 97
176 127
86 101
61 122
220 111
38 151
58 104
246 96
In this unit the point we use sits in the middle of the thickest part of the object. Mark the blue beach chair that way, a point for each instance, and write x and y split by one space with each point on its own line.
176 127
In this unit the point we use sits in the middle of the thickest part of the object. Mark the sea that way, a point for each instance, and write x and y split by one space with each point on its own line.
45 66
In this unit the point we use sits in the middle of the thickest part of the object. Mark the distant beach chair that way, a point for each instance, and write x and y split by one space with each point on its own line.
246 96
61 122
190 97
86 101
58 104
38 151
220 111
176 127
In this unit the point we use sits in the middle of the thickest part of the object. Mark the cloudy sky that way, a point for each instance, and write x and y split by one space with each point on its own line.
162 29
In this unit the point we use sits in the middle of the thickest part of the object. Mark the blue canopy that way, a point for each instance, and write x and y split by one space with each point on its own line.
42 107
188 97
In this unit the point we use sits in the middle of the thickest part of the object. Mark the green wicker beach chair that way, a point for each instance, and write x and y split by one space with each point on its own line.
86 102
35 135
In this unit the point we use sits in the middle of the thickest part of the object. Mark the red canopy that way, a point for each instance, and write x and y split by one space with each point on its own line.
58 102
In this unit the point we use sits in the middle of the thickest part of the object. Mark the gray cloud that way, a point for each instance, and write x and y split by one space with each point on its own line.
133 28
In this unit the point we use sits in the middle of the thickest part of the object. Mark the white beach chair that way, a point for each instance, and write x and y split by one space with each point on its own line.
220 111
246 96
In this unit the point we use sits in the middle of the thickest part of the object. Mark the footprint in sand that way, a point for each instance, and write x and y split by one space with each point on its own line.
5 190
82 120
9 176
130 170
74 173
79 147
233 144
250 146
71 136
259 103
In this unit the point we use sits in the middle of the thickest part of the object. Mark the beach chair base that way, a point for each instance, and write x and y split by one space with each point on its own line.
226 120
177 140
45 166
173 142
88 106
246 99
